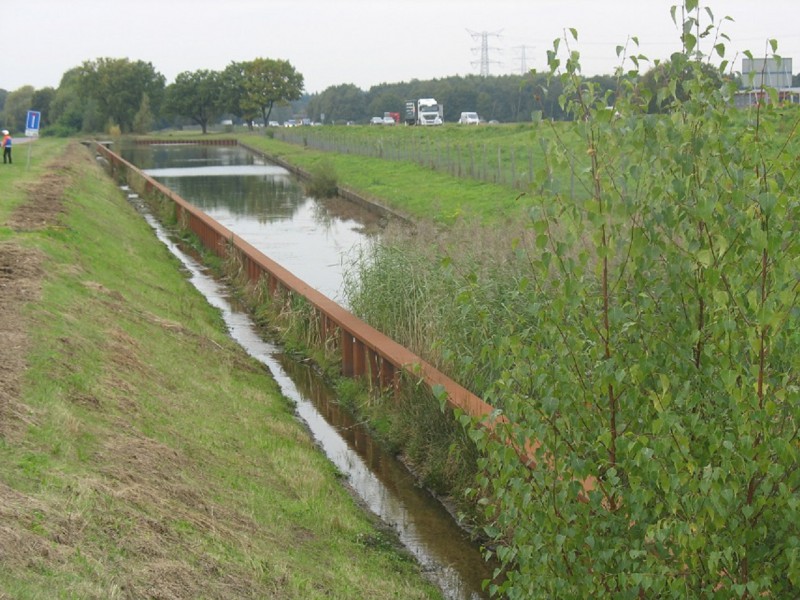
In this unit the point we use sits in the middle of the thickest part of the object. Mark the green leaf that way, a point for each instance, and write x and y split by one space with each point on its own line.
689 42
705 257
767 202
541 240
574 33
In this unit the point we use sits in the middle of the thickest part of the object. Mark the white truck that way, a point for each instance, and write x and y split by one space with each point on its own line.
425 111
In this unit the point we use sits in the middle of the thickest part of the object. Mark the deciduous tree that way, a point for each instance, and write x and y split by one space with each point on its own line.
196 95
658 374
341 103
267 82
116 86
16 108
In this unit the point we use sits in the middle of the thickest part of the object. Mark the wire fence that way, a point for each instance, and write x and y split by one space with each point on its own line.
516 166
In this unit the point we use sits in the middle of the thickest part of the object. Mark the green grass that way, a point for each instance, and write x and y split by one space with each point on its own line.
513 157
147 454
31 161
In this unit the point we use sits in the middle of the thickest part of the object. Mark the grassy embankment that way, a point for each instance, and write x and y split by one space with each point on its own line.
516 156
144 454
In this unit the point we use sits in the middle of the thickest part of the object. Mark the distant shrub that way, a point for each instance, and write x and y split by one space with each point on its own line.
324 181
59 130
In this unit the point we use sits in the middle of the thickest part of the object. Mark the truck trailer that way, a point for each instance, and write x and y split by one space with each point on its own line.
425 111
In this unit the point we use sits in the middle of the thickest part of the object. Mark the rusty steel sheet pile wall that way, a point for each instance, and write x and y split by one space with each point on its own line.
365 351
163 141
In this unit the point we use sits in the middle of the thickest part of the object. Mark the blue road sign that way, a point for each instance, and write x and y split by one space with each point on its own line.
32 122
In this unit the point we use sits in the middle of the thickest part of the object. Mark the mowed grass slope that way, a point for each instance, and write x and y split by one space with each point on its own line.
142 452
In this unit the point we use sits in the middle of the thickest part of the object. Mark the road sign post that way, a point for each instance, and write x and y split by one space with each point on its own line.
32 123
32 129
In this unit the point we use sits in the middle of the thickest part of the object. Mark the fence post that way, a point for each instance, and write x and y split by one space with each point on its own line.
513 168
472 161
530 167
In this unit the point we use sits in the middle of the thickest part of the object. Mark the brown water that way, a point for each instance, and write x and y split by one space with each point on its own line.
269 209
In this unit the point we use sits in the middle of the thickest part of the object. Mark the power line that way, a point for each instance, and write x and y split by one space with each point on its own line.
523 63
484 50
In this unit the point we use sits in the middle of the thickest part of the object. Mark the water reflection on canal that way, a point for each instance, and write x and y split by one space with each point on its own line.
267 207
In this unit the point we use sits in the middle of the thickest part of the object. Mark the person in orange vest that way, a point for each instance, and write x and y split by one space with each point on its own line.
6 147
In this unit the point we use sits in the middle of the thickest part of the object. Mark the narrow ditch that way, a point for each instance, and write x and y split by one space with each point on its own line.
379 480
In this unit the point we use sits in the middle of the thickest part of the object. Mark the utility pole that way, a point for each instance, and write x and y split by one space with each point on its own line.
484 50
523 65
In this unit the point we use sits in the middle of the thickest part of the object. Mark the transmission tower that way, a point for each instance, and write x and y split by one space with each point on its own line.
523 64
484 50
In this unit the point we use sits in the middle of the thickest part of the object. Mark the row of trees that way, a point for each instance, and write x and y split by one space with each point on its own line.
246 90
506 98
111 94
131 95
106 94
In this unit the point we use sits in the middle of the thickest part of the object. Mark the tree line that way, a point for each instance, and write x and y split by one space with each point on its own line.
117 94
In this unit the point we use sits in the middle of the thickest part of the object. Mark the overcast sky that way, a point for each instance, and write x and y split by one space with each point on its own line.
362 42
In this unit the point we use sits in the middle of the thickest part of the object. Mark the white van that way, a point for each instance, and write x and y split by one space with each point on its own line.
469 118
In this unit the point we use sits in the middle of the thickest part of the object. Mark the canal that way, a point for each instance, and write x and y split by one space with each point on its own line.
266 205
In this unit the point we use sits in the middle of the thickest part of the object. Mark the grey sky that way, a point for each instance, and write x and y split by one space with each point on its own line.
363 42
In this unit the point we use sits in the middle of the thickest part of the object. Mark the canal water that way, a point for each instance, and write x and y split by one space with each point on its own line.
266 206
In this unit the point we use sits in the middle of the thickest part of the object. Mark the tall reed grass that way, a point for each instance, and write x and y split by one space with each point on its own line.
445 294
